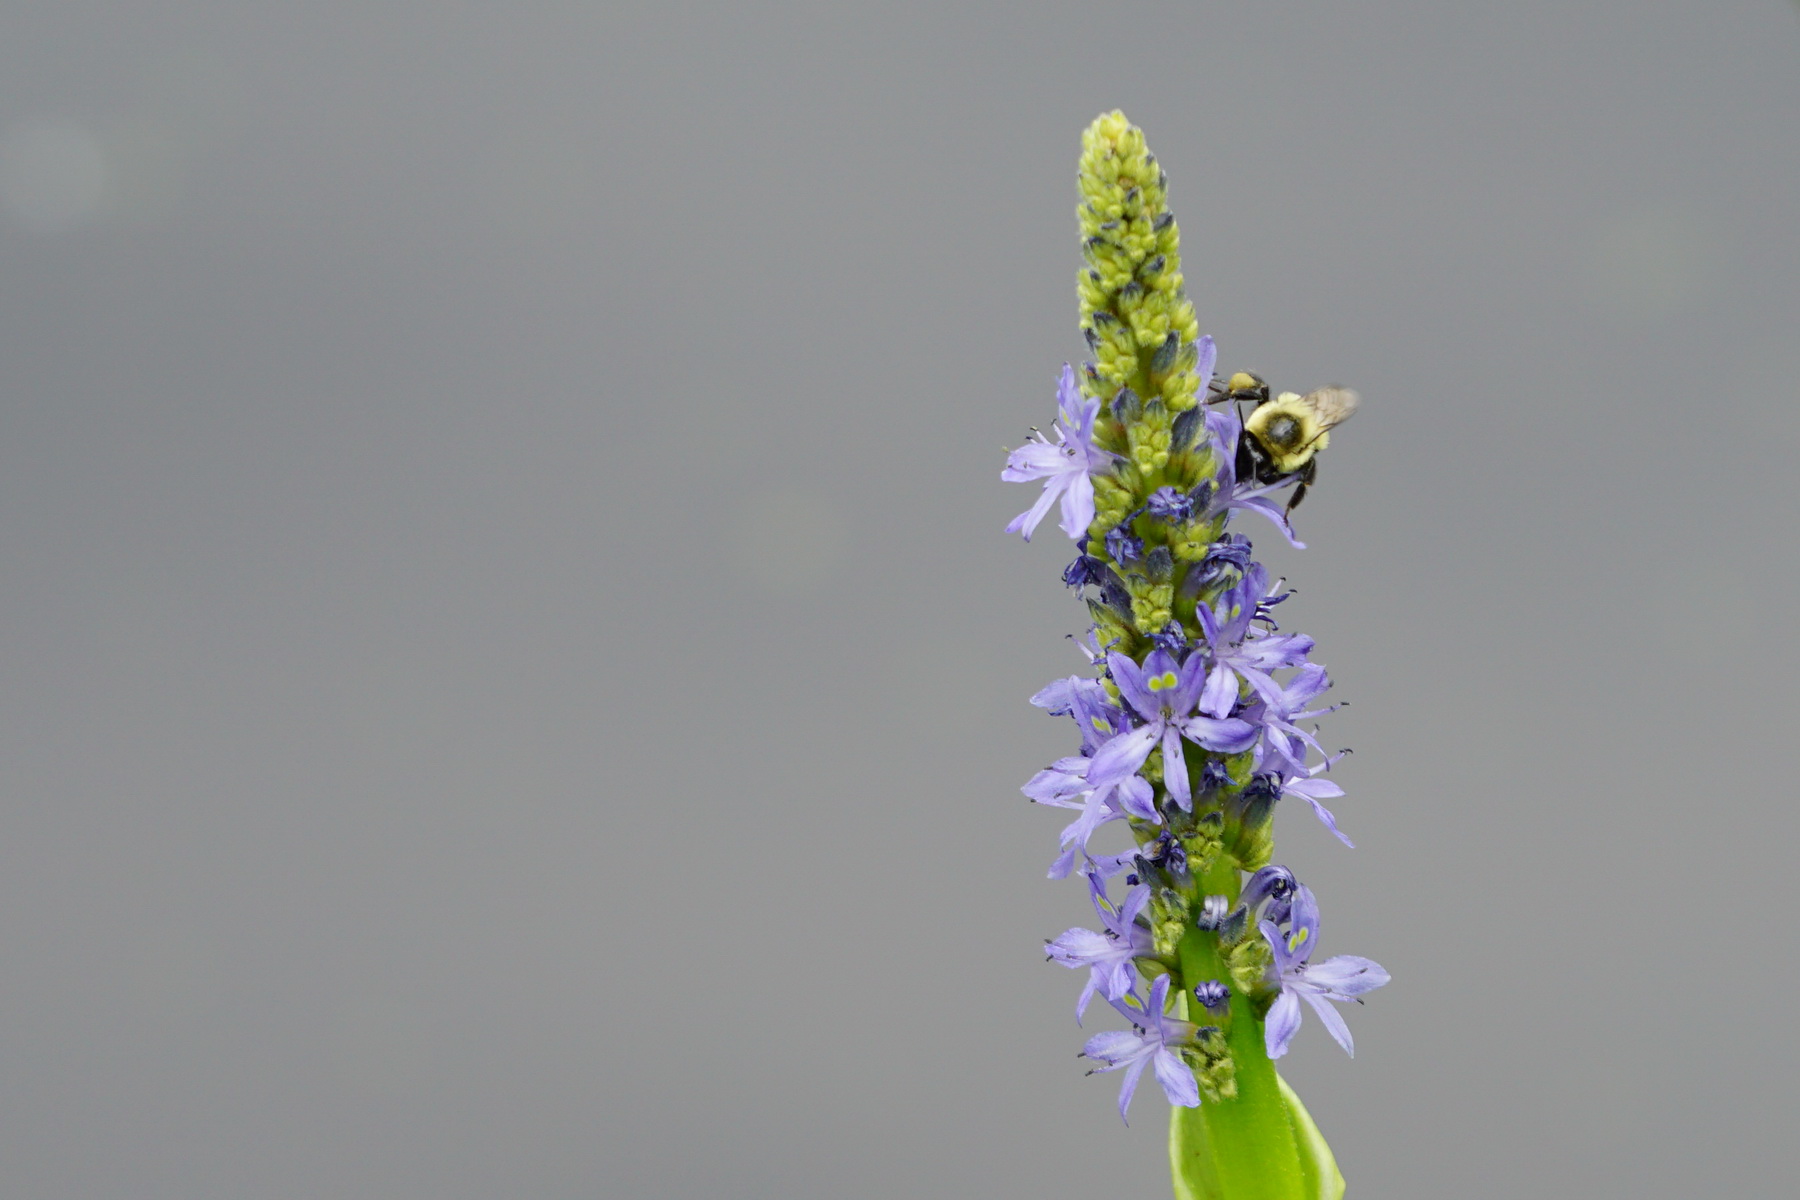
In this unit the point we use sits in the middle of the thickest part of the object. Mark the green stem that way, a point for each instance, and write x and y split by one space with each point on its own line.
1244 1148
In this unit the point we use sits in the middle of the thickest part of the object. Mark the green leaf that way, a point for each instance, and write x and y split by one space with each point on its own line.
1191 1158
1323 1179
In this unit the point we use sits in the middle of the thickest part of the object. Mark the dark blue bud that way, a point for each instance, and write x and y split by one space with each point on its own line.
1214 777
1256 803
1159 564
1181 433
1212 994
1132 880
1126 406
1164 358
1201 497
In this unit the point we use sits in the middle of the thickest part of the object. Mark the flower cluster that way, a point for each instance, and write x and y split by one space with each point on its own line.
1196 720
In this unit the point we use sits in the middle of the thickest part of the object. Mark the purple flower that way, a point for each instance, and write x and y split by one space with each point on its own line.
1340 979
1065 784
1170 504
1064 465
1273 882
1109 954
1163 694
1280 709
1084 699
1123 545
1240 649
1153 1033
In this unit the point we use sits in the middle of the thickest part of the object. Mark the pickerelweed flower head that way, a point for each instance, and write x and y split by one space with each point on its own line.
1200 715
1341 979
1064 465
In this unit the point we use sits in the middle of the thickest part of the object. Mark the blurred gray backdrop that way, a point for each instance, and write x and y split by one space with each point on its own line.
514 685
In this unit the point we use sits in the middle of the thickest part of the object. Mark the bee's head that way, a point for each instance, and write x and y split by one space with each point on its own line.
1246 386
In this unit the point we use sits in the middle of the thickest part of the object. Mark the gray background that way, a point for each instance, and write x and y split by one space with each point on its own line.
514 685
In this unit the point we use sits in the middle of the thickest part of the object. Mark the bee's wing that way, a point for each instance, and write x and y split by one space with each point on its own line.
1333 405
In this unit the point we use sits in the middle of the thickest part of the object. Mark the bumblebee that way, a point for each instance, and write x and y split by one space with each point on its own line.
1282 437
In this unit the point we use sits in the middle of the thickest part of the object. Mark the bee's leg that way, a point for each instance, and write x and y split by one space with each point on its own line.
1308 473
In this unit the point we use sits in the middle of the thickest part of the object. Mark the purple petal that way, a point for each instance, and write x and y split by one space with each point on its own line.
1177 1080
1068 395
1324 815
1135 797
1131 680
1034 460
1080 947
1078 505
1303 925
1135 900
1313 788
1221 691
1193 678
1309 682
1230 736
1058 696
1209 358
1277 945
1274 512
1027 522
1116 978
1209 624
1278 650
1175 776
1283 1023
1333 1019
1114 1048
1087 994
1348 975
1051 786
1122 755
1131 1079
1094 813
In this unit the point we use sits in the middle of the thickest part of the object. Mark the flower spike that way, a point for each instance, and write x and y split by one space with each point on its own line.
1199 715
